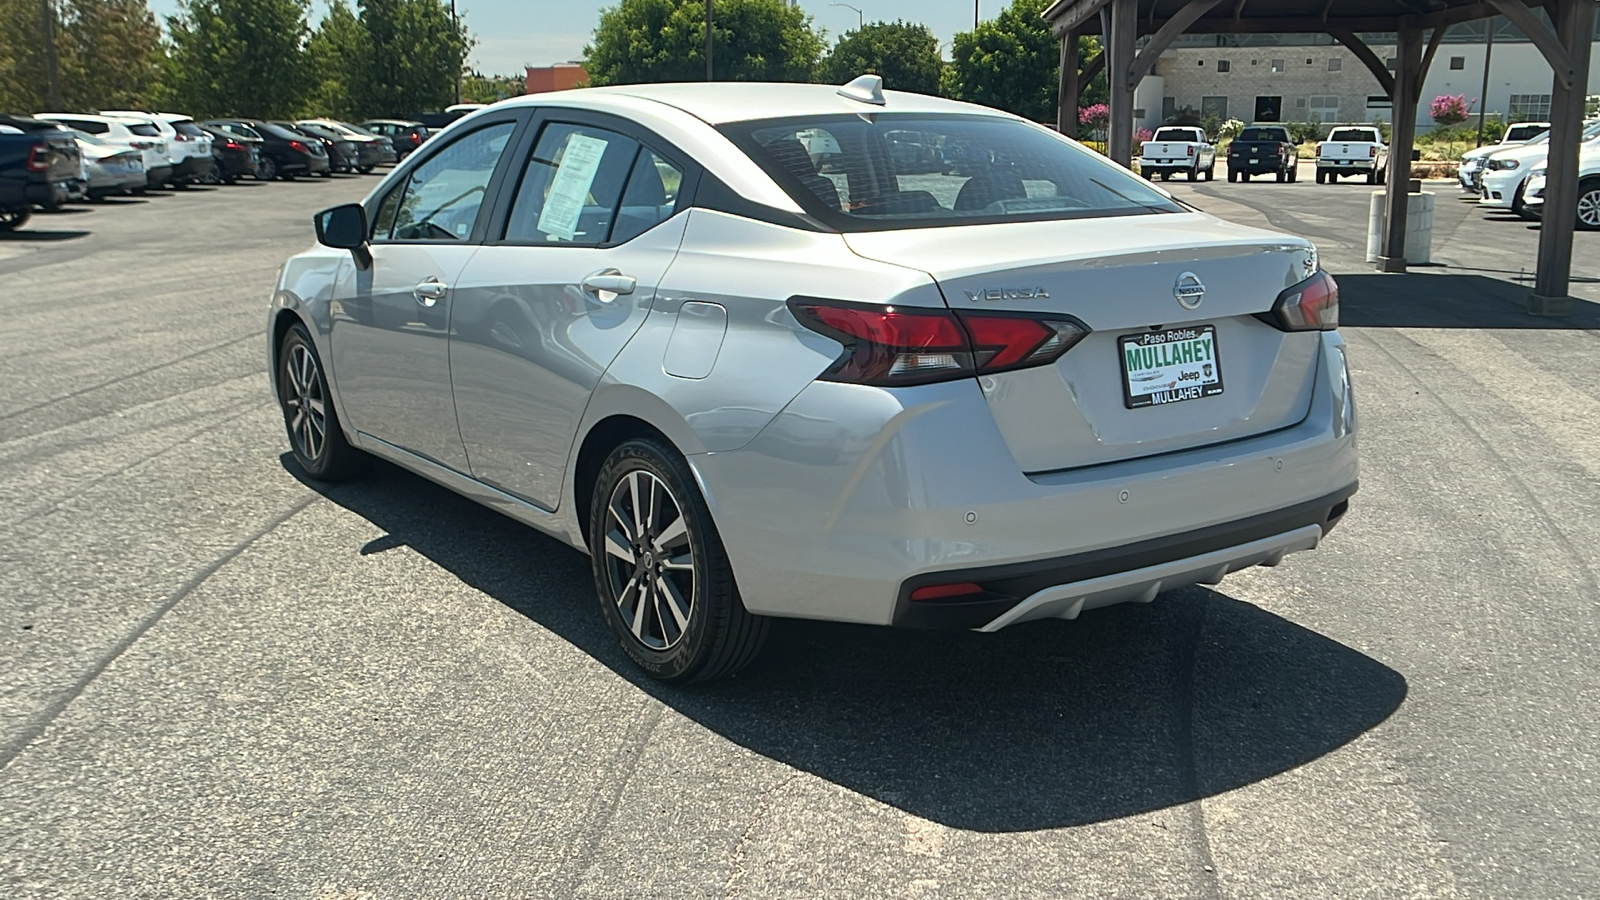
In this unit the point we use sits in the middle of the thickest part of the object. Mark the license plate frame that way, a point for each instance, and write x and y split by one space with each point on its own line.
1207 368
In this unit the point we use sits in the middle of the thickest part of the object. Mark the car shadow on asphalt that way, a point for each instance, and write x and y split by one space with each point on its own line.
1442 299
40 235
1044 725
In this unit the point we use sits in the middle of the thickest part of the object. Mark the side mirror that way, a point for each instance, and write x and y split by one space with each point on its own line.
342 227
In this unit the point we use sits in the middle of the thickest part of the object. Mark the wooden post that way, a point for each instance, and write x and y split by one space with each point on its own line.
1124 20
1402 128
1067 98
1574 28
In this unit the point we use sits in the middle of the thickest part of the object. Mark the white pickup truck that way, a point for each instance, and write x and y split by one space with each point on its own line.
1353 150
1178 148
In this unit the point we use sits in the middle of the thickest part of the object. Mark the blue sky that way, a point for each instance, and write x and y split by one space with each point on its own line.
514 33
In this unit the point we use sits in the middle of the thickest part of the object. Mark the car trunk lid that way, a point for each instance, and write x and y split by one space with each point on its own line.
1123 278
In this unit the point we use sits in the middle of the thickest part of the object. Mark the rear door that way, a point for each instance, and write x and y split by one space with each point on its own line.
391 319
595 212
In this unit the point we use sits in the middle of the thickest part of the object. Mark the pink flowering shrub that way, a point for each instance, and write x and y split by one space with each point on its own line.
1096 116
1450 109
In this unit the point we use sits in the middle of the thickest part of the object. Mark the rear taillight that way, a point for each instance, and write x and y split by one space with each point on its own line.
233 145
39 158
298 147
1372 152
416 137
1190 148
1311 305
891 345
180 136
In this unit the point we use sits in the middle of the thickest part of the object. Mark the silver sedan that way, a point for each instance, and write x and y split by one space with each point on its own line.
790 350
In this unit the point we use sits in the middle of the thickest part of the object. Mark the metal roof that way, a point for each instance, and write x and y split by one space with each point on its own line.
1277 16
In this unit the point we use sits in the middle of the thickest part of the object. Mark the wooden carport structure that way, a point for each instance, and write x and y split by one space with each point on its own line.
1564 36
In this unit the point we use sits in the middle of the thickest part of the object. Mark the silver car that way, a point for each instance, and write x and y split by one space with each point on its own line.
756 362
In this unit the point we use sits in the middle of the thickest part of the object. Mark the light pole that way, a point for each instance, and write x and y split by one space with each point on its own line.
709 76
456 39
856 8
51 63
974 15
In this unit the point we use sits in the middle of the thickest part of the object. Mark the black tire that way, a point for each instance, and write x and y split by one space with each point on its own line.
1372 177
302 385
1322 177
1520 208
12 219
1166 176
1210 171
1589 205
1193 174
267 169
718 636
1244 176
1232 175
1294 173
1383 175
367 170
1282 175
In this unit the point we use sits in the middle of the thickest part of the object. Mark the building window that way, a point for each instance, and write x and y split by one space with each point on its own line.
1277 67
1269 109
1169 108
1224 66
1309 62
1255 62
1201 62
1214 106
1529 107
1323 108
1335 64
1458 62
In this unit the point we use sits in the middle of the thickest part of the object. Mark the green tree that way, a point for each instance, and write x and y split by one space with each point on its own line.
664 40
334 54
110 53
237 57
905 54
1013 62
409 59
23 78
479 88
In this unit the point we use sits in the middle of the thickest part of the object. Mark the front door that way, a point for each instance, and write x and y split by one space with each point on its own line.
391 319
548 303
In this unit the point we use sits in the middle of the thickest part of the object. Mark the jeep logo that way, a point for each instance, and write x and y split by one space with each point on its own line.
1036 293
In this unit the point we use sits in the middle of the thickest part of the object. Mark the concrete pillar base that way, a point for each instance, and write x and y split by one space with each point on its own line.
1391 264
1549 306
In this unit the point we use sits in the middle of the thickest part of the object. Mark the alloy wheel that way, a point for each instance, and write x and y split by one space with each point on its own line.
1589 207
305 402
649 560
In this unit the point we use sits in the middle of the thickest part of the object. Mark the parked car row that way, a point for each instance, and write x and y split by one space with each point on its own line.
1509 177
1184 149
51 158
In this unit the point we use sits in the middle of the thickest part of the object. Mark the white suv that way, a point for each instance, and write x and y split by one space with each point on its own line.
198 164
136 134
180 153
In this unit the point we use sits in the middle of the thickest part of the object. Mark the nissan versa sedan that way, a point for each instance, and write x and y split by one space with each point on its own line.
715 337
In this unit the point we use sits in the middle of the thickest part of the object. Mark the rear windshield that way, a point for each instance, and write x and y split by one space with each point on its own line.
1175 134
144 128
1524 132
883 171
1352 134
87 125
188 128
278 131
1263 134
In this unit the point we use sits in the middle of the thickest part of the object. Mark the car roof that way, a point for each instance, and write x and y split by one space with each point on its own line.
738 101
87 117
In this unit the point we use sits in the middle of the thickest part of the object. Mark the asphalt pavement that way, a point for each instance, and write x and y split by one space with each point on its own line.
220 680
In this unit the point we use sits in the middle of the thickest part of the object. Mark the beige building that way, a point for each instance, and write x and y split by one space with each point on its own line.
1310 78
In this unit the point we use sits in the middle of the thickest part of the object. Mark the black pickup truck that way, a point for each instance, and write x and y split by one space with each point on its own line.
1263 149
38 163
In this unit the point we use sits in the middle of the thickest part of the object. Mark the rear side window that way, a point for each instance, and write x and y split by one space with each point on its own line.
440 201
86 125
144 128
1525 132
188 128
1352 135
909 170
572 186
1264 134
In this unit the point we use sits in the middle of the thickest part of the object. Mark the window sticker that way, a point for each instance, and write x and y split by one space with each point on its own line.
564 204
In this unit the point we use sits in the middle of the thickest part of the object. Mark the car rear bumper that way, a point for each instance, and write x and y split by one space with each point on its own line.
1346 165
193 168
158 175
236 163
855 496
47 194
1257 165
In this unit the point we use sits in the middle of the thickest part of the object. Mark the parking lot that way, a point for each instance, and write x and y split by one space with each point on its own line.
221 680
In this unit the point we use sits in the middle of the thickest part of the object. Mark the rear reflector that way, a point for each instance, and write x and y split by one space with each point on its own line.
890 345
945 591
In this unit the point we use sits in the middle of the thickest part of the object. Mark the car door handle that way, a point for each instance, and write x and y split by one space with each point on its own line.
609 281
430 291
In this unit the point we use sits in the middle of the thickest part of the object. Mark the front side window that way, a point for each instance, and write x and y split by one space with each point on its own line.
912 170
586 185
443 195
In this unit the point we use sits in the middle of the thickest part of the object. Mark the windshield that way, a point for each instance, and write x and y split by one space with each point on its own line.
1263 134
1175 135
869 172
1353 134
